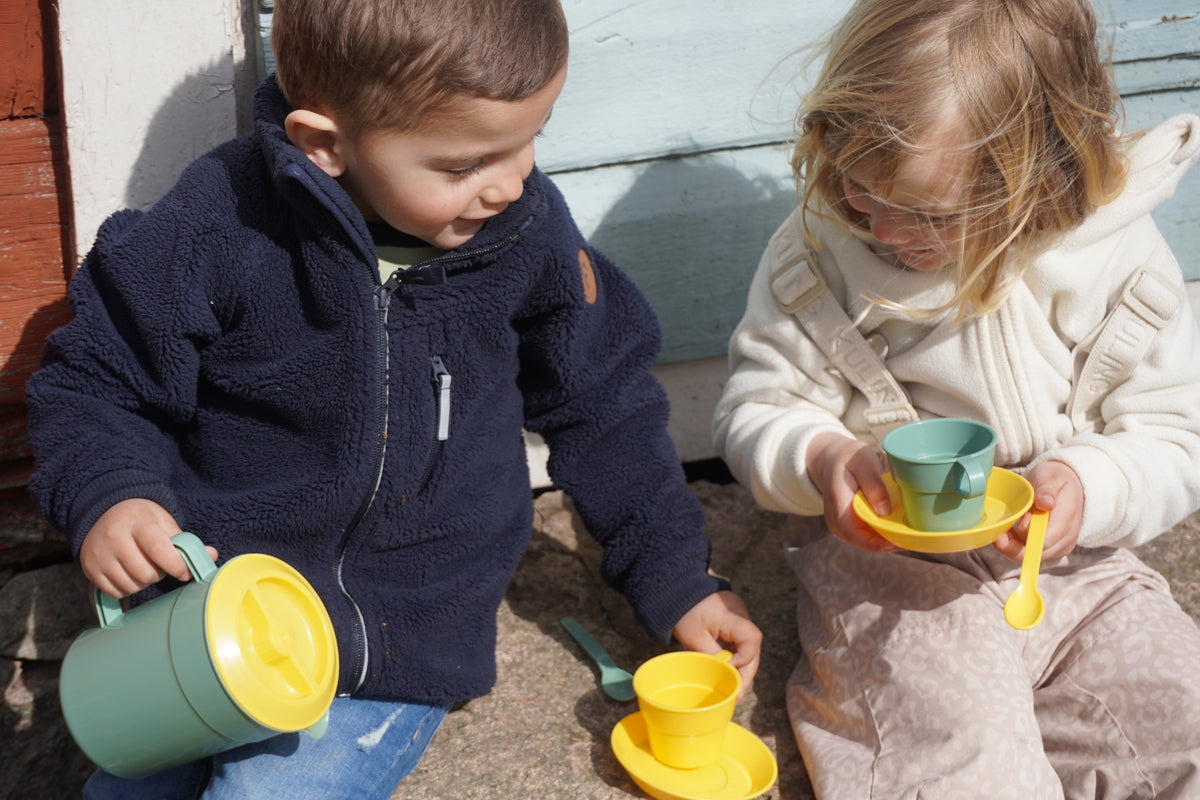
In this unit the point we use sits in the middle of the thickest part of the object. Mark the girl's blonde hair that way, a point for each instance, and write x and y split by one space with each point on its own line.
389 63
1025 88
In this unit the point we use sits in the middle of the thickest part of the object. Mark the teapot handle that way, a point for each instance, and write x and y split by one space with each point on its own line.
201 567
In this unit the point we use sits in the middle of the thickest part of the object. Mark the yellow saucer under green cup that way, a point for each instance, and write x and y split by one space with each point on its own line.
1009 496
746 768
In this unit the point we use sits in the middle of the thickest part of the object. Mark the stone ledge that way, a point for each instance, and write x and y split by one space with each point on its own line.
543 732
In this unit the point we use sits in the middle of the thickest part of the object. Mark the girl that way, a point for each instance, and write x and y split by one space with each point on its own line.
970 221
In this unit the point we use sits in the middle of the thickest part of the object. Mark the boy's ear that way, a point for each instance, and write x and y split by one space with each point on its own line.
319 138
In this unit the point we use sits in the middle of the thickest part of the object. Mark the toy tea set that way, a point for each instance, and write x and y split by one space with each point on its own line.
247 651
237 655
682 743
947 496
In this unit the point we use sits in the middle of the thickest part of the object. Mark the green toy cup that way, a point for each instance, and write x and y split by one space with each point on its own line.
941 467
237 655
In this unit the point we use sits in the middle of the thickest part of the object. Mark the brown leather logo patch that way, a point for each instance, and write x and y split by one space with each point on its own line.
589 277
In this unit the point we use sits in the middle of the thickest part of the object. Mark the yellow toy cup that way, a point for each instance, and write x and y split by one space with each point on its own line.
687 700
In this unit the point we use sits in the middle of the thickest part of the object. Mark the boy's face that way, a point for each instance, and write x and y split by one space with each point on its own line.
464 165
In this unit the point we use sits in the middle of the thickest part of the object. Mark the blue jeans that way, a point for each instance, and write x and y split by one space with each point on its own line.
368 748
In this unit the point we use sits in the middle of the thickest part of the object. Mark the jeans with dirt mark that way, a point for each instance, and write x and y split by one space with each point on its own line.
367 749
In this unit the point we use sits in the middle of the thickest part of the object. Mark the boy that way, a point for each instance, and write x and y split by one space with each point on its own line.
323 343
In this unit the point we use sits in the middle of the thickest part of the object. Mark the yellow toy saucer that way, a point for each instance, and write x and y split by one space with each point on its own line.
745 770
1009 496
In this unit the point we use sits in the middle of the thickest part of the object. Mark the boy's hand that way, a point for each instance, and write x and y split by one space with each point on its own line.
839 466
1057 489
721 620
129 548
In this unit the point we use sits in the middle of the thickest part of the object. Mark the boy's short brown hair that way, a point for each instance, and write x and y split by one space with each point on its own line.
387 63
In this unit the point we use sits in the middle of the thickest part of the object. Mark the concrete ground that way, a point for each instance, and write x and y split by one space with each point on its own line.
544 731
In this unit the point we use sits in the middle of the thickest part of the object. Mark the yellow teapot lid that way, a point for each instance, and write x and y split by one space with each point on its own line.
271 642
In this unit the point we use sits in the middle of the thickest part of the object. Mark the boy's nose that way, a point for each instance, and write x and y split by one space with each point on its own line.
508 183
511 185
504 189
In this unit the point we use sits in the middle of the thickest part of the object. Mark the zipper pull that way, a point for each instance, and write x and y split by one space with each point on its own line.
441 383
384 292
429 276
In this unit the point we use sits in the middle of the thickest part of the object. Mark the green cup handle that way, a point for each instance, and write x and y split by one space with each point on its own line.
201 567
972 480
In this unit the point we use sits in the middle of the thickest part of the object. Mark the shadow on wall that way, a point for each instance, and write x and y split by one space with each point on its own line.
203 110
690 231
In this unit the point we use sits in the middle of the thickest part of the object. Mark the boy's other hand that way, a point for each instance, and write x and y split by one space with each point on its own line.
839 466
129 548
722 621
1058 490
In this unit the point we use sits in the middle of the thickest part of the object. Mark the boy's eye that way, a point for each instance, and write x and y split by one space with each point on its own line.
462 173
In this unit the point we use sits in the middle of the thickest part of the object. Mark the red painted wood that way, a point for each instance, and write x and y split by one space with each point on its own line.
34 228
33 286
22 59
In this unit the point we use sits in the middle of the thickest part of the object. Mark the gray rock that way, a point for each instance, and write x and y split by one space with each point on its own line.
42 611
544 731
41 761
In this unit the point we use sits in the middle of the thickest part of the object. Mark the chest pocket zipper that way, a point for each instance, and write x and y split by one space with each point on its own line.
441 391
441 386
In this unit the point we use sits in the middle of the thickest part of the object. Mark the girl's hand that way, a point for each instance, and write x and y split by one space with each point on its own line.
840 466
1058 490
721 620
129 548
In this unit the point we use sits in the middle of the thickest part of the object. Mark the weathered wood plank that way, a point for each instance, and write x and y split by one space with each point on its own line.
22 57
1157 54
675 77
1143 12
32 277
27 317
1179 218
689 231
671 77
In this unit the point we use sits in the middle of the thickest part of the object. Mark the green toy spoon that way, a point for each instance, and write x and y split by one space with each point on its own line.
1025 608
616 682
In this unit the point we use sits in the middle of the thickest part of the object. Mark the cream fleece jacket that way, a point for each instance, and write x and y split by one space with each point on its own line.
1013 368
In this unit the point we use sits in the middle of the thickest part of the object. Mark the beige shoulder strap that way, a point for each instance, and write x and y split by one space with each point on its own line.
800 290
1148 304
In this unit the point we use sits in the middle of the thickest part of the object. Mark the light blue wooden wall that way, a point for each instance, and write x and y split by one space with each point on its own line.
670 138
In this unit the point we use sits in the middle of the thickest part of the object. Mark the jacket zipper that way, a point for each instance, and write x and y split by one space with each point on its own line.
361 651
441 390
421 274
418 274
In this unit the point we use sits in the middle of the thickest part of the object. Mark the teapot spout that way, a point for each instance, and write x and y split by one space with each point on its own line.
318 728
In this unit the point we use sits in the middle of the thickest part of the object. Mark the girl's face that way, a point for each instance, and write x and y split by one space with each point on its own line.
919 212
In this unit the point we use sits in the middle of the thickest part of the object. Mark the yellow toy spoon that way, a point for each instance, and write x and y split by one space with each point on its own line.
1025 608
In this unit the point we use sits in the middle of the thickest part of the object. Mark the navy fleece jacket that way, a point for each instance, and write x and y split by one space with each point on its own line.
234 357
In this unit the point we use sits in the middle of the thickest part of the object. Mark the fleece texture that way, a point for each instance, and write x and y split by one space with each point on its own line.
234 357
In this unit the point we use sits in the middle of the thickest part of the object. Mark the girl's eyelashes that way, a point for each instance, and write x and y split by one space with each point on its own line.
854 190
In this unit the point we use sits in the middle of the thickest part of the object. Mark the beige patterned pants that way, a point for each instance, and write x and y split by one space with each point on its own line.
915 687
